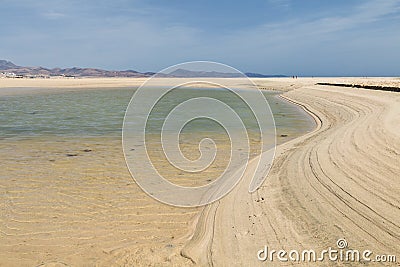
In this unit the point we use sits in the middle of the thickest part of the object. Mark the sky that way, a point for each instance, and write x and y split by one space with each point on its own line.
291 37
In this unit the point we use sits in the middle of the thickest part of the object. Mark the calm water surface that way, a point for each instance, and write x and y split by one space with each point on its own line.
95 113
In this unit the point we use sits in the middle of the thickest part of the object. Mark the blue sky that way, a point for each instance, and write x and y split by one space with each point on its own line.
292 37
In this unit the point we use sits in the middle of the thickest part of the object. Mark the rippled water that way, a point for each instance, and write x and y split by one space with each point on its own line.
91 113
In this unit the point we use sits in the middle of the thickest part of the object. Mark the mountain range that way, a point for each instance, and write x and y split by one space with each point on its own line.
8 67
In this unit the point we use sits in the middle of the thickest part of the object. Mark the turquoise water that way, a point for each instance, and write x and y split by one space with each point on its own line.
92 113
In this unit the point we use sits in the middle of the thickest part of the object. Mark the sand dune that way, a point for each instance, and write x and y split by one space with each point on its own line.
340 181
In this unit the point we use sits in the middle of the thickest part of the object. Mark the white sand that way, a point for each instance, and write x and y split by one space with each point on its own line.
340 181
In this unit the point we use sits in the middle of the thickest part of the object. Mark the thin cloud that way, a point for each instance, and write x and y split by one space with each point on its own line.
53 15
298 29
146 37
280 3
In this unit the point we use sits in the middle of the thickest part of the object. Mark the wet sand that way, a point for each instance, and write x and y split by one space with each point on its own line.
73 203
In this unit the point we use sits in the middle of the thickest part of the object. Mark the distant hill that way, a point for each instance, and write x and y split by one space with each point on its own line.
183 73
5 65
9 67
257 75
189 73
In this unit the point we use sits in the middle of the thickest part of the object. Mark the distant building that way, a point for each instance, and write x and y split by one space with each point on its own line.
10 75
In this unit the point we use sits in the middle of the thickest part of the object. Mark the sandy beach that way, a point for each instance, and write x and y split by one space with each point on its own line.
339 181
200 133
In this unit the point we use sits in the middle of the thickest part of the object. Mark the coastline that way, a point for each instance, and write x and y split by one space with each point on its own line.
285 212
199 245
187 133
63 194
313 195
